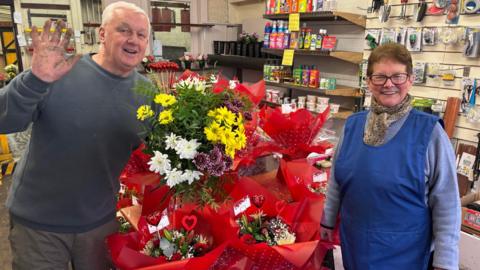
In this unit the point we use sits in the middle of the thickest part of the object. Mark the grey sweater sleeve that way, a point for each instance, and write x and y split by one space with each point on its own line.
19 102
443 199
332 202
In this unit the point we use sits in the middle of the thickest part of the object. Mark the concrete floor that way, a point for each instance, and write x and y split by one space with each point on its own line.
5 254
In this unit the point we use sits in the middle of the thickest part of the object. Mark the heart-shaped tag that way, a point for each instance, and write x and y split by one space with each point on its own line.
258 200
280 205
189 222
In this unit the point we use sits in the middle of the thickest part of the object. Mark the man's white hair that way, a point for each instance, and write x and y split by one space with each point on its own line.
108 12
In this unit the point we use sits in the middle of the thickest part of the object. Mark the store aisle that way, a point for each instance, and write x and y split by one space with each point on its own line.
5 255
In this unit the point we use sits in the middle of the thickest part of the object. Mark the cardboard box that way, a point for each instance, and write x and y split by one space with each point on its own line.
469 246
470 217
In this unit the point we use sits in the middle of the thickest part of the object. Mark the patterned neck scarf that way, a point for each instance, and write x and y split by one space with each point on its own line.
381 117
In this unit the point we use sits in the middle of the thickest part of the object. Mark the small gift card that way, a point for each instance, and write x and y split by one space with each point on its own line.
164 222
242 205
465 166
135 200
123 188
320 177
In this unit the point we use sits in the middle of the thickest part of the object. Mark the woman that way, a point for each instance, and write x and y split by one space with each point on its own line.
394 180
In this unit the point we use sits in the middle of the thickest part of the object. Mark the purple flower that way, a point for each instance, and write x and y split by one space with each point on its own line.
201 160
247 116
216 169
228 161
216 155
238 103
231 107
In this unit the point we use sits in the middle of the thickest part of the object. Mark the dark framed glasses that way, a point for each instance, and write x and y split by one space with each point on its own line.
379 80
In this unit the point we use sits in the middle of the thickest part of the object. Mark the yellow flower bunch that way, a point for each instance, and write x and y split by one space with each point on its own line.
144 112
165 100
226 128
165 117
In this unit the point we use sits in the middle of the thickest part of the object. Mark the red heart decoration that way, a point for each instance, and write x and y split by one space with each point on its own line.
258 200
189 222
154 218
280 205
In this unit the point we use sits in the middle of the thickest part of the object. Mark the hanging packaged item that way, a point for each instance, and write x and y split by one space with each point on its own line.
471 6
388 36
414 38
420 10
429 36
472 43
372 38
401 34
419 72
453 12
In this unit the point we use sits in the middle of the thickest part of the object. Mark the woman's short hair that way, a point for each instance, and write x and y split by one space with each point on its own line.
390 51
107 14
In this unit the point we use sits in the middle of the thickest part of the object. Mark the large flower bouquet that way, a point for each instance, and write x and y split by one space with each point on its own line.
196 131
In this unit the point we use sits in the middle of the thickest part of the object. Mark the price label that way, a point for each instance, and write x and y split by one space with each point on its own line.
22 42
294 22
241 206
288 57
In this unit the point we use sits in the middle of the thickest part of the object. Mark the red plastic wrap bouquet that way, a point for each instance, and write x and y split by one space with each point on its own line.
295 132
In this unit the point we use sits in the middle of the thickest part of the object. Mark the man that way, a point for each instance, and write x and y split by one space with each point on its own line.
83 109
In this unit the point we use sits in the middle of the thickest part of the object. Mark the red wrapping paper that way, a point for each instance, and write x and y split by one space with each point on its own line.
297 175
294 132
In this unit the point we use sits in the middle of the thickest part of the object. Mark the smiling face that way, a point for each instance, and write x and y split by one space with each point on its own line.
124 39
389 94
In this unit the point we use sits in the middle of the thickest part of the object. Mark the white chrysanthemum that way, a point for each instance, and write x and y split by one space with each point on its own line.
174 177
232 84
185 84
191 176
200 85
171 141
187 149
159 163
213 78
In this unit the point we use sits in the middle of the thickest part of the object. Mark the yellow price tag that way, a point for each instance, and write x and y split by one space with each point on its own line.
287 59
294 22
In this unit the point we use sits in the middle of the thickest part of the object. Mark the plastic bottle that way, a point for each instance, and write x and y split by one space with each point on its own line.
309 5
314 77
305 76
313 42
319 40
294 6
293 40
301 38
308 39
280 36
286 40
266 35
273 36
297 75
302 5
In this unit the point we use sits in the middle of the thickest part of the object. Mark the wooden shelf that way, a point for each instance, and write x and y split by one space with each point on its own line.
237 61
344 91
342 114
351 57
244 2
353 18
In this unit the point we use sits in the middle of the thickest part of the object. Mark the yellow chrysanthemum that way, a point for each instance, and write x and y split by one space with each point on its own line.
144 112
228 138
165 99
165 117
213 131
222 114
241 140
230 151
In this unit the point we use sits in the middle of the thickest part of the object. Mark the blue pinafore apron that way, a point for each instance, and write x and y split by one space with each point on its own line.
385 223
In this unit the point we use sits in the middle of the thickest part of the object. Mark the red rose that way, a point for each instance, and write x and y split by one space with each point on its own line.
176 257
